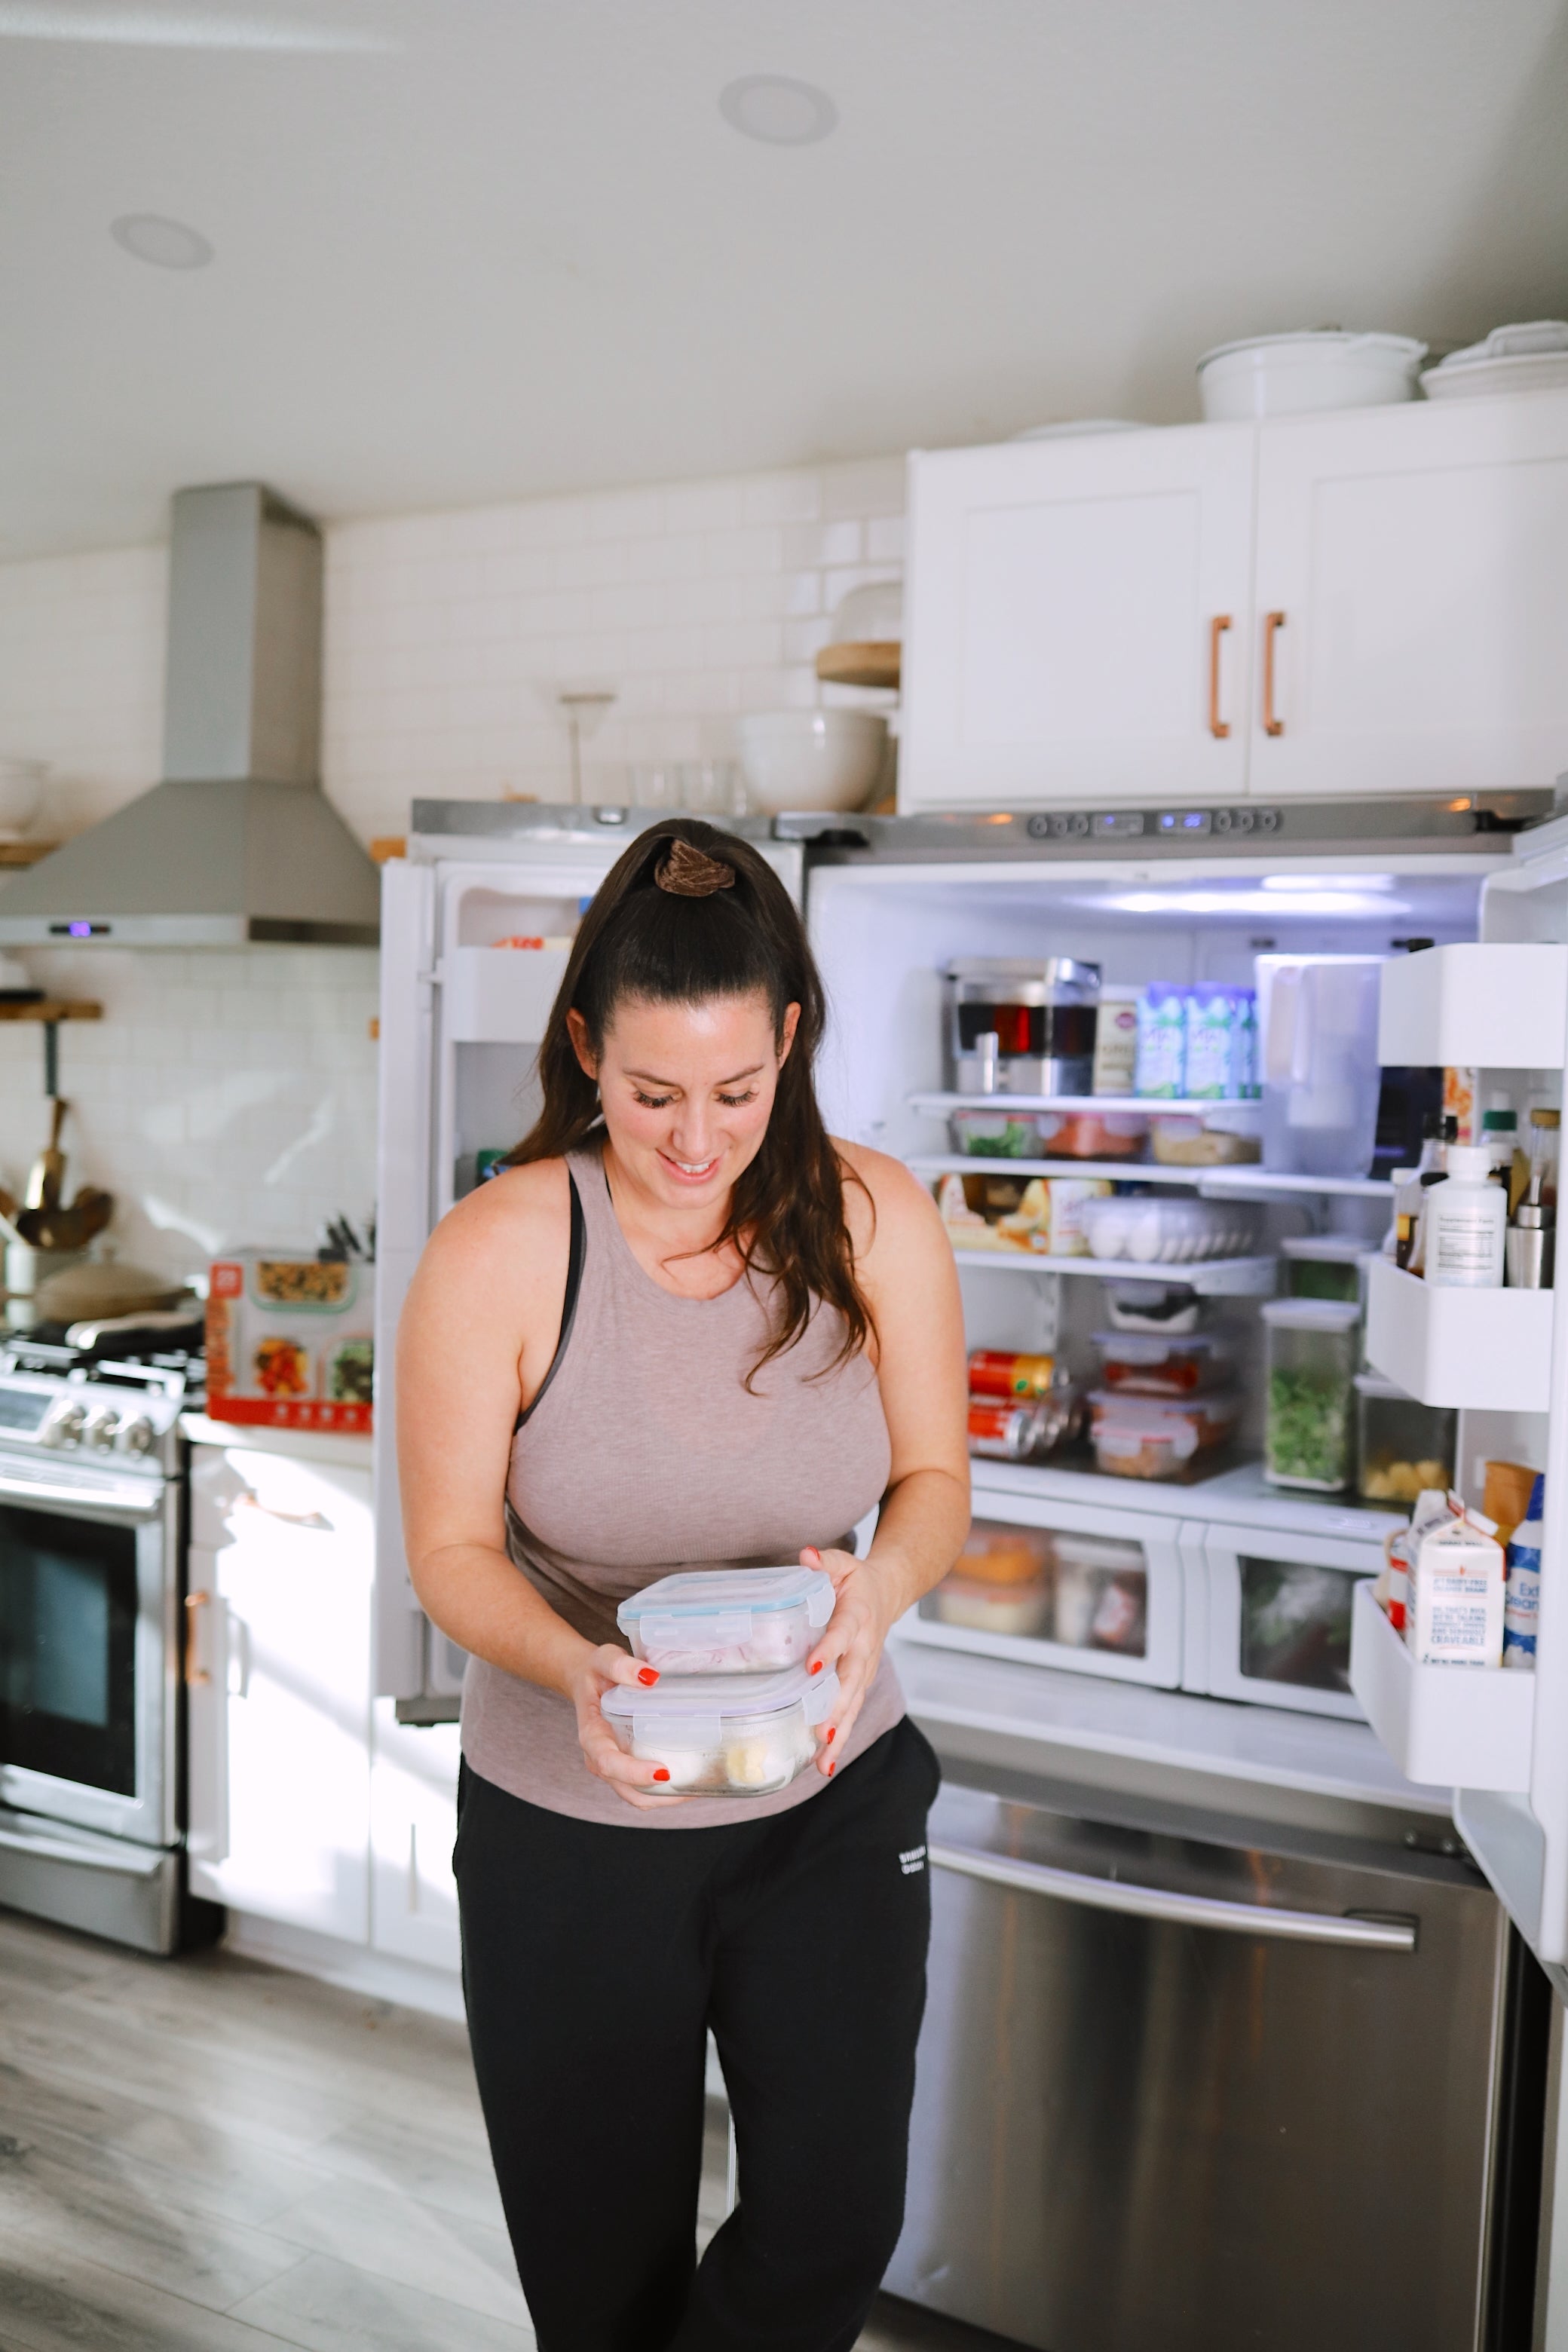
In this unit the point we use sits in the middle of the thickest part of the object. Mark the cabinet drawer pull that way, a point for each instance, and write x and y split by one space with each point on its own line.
1272 624
1218 627
194 1602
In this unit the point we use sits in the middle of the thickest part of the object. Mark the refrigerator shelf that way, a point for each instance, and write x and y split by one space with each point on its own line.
1212 1277
1445 1727
1162 1106
1498 1005
1223 1179
1477 1350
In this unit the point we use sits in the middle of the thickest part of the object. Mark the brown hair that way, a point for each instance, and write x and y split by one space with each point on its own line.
687 914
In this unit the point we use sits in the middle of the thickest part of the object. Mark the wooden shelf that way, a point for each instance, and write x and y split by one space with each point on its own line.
25 852
53 1008
871 662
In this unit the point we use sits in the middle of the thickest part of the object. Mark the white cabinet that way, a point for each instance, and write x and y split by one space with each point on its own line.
278 1665
414 1821
1070 605
1419 558
1393 583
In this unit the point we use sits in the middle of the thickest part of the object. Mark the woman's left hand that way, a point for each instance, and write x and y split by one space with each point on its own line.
851 1641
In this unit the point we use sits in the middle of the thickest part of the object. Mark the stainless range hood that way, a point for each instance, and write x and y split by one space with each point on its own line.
238 843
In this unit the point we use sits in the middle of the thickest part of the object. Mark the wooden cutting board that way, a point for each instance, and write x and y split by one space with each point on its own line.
873 663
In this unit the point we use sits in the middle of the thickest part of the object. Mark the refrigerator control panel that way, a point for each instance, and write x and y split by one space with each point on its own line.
1157 825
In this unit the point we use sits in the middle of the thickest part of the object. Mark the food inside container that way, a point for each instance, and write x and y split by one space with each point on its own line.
1154 1307
1403 1447
1139 1365
995 1134
1018 1608
1039 1214
996 1553
1309 1426
1184 1139
712 1621
724 1735
1102 1595
1091 1134
1326 1265
1151 1230
1155 1437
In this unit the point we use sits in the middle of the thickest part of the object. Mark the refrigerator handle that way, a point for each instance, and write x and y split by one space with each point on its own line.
1182 1910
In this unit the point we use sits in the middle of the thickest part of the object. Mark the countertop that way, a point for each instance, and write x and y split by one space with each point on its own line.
340 1447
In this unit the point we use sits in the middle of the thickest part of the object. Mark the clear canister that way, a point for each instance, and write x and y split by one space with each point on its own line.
1310 1421
1403 1446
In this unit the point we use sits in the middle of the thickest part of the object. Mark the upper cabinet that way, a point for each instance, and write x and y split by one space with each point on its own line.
1370 601
1075 618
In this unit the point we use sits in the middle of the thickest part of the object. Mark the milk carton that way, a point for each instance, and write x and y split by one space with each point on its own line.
1454 1614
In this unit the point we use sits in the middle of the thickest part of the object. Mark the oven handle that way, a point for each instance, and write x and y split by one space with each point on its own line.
122 1504
141 1861
1181 1910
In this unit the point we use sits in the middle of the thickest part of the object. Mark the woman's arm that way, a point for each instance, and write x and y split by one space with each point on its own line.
476 1337
906 1268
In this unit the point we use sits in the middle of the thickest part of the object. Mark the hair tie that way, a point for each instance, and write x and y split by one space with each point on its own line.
689 873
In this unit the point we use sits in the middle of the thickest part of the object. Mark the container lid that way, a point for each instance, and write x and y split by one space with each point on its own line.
1499 1122
1312 1314
699 1592
1099 1551
1325 340
1152 1347
691 1709
1469 1163
1067 971
1116 1406
1329 1249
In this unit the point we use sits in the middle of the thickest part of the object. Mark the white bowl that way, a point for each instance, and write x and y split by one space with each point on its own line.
1287 375
21 790
811 759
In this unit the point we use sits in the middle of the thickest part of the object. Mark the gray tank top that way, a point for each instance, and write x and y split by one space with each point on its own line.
644 1453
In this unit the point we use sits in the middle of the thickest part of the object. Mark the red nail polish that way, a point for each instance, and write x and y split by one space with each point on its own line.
661 1774
815 1666
833 1767
648 1674
831 1734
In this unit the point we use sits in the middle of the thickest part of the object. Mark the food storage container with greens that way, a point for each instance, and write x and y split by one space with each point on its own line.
1309 1437
741 1621
1403 1446
995 1134
722 1735
1327 1265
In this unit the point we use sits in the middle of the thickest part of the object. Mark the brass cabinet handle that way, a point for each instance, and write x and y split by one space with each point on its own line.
195 1601
1272 624
1218 627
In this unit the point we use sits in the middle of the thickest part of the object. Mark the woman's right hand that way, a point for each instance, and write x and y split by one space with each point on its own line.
631 1776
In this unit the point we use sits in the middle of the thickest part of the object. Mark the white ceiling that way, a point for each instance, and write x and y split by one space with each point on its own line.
468 249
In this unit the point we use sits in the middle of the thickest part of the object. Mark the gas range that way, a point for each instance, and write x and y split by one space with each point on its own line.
68 1409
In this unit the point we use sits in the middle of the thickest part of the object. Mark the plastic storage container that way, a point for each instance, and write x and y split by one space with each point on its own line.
1101 1600
726 1735
1317 1018
743 1621
1091 1134
995 1134
1153 1232
1157 1437
1159 1366
1403 1446
1327 1265
1309 1424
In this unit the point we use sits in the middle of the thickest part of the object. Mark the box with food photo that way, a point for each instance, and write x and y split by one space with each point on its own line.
289 1341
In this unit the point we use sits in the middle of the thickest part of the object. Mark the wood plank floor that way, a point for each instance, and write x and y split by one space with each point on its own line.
206 2155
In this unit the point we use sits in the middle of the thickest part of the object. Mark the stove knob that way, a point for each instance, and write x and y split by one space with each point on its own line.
64 1426
138 1436
100 1430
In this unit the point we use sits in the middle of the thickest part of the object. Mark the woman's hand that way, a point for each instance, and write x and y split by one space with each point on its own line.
632 1778
851 1641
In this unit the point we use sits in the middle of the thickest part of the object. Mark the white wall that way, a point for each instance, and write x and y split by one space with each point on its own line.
230 1096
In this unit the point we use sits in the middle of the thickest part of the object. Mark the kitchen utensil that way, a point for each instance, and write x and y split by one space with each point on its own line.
21 790
1529 358
811 759
1529 1247
47 1172
66 1229
865 661
1320 367
91 1290
157 1322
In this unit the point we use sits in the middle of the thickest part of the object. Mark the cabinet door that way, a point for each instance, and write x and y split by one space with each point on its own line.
414 1821
1417 561
1064 609
280 1732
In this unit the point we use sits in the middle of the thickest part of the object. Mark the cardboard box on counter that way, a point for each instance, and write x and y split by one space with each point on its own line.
289 1341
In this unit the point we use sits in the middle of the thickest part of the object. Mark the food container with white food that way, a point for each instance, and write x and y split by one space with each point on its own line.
722 1735
741 1621
1315 368
1153 1232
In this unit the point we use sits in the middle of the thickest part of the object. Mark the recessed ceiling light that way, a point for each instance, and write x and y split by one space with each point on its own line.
167 244
777 109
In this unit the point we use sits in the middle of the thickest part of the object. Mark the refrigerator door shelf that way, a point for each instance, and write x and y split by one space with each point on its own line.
1453 1726
500 996
1494 1004
1478 1350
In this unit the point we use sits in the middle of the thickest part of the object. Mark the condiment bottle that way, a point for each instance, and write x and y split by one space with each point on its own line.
1544 1133
1447 1136
1499 1134
1466 1221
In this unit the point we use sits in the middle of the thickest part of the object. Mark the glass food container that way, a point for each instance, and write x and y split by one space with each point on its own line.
1403 1446
1309 1424
1000 1583
741 1621
1042 1012
1158 1437
1102 1595
1139 1365
722 1735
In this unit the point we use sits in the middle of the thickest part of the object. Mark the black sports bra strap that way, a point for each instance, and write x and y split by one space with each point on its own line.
577 1251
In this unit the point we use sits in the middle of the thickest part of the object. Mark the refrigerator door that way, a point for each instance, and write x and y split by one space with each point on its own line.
1177 2095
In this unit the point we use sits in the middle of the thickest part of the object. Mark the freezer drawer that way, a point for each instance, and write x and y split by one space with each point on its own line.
1181 2096
1269 1615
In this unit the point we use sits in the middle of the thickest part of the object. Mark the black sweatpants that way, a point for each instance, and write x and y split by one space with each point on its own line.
594 1959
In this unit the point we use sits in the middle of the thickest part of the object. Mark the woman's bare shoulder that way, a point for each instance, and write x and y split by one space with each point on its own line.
517 1219
888 1209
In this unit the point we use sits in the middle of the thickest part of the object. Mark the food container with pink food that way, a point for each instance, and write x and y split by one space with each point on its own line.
722 1735
715 1621
1091 1134
1160 1365
1158 1437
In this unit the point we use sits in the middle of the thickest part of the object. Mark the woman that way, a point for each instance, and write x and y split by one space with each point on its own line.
686 1328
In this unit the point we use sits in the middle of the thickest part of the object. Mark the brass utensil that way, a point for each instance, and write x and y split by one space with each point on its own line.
48 1173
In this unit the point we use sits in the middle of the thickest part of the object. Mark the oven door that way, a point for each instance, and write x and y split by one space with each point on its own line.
1269 1616
88 1649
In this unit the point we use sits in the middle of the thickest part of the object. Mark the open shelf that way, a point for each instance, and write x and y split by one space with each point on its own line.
1213 1278
1161 1106
1477 1350
1448 1726
1499 1006
1244 1178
